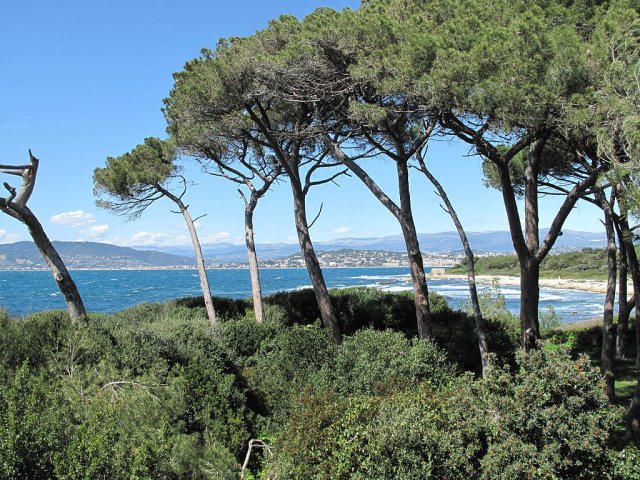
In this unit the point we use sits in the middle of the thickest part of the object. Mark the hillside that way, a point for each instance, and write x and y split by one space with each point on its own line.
25 255
586 263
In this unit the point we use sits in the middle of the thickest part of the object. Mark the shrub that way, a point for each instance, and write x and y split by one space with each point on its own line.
33 425
288 363
375 362
549 419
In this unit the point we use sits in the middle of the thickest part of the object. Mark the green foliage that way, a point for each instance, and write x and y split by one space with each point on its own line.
626 464
288 363
549 419
372 362
586 263
32 425
132 180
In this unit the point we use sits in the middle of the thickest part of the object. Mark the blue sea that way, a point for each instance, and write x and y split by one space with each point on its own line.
25 292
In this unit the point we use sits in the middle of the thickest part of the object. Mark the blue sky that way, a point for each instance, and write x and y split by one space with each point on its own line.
80 81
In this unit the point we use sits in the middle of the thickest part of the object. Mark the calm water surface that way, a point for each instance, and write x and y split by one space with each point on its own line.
23 292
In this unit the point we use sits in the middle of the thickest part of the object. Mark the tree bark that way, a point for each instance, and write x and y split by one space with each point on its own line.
623 309
256 289
471 274
634 268
329 318
197 249
607 350
404 217
75 306
421 291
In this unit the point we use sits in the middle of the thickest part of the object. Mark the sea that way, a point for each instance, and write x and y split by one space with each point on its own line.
108 291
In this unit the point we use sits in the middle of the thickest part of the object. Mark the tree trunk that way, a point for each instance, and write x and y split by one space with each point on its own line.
607 350
256 289
471 274
320 290
405 218
529 301
634 268
421 291
59 271
623 310
202 271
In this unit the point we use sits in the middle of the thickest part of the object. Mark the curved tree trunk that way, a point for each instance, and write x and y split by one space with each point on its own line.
329 318
59 271
471 274
197 250
256 289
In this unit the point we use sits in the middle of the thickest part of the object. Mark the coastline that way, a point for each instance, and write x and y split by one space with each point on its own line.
585 285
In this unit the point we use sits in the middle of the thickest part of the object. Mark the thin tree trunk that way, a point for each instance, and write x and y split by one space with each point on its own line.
608 340
404 216
256 289
202 271
329 318
421 291
623 309
197 249
471 274
59 271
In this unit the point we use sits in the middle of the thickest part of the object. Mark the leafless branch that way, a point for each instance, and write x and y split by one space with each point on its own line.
316 217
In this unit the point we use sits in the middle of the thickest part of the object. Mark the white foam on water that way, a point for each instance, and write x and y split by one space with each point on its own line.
550 296
396 289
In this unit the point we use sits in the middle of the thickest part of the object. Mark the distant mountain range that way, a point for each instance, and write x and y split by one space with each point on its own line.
443 242
103 255
88 255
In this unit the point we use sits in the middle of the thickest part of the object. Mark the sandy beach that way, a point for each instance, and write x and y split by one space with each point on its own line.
596 286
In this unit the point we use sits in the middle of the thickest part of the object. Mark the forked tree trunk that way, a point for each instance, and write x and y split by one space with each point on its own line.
404 216
471 274
59 271
329 318
197 250
256 289
607 350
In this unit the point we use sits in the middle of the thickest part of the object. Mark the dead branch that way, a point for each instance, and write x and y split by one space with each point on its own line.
257 444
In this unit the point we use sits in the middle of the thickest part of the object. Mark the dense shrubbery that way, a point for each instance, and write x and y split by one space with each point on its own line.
155 392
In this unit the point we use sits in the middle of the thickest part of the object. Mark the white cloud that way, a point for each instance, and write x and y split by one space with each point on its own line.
157 239
215 237
6 237
75 219
341 230
97 231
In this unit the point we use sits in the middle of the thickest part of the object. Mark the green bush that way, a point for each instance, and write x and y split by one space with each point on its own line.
549 419
32 425
288 363
371 362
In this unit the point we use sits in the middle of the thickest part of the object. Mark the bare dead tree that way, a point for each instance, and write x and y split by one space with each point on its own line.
15 205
